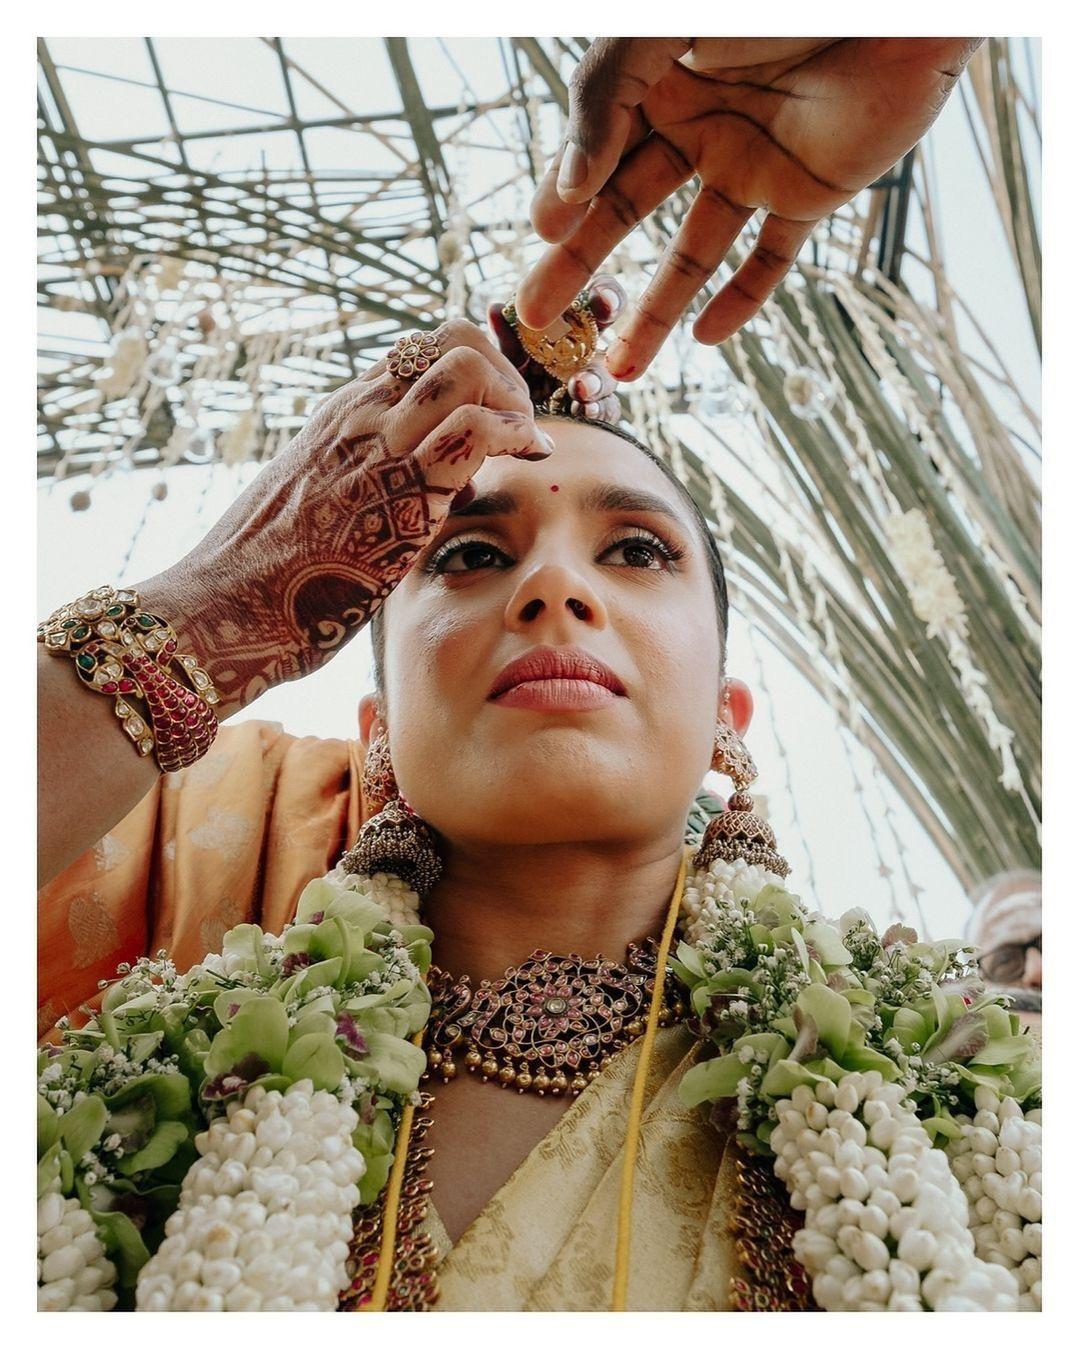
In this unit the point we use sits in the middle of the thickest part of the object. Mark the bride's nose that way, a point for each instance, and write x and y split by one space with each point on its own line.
554 594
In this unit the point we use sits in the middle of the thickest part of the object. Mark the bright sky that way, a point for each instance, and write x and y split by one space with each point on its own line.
819 790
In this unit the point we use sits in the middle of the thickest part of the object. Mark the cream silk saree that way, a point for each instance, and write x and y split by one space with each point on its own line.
546 1241
234 839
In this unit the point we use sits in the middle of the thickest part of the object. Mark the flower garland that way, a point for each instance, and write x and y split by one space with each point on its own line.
888 1088
204 1141
213 1132
265 1215
73 1272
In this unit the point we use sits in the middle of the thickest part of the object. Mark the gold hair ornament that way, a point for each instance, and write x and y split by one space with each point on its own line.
562 357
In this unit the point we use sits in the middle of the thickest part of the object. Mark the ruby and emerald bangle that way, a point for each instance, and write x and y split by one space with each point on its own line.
126 653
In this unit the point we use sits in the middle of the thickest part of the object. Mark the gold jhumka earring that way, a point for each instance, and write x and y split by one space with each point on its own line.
738 832
394 840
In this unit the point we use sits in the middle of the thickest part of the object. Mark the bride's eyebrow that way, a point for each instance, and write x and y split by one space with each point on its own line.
603 497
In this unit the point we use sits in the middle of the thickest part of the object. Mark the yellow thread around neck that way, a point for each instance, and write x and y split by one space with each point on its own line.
637 1097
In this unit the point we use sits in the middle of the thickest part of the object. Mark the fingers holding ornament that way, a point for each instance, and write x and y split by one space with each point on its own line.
606 298
592 393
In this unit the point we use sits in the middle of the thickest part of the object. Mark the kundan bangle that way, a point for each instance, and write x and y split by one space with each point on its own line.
122 651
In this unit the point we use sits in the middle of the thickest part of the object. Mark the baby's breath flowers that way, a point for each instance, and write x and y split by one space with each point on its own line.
262 1088
866 1065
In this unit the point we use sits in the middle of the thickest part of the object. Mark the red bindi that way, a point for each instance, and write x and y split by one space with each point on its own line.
554 487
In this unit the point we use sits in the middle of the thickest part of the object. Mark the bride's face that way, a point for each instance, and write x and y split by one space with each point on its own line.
629 584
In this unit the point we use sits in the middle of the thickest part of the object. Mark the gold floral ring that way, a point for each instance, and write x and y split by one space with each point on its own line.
412 355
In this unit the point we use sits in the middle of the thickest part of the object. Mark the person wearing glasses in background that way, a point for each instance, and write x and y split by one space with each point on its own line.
1006 927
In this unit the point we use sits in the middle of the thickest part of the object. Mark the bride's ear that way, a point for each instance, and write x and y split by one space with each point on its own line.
737 707
370 719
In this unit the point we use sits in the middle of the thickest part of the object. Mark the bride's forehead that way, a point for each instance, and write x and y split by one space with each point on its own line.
584 458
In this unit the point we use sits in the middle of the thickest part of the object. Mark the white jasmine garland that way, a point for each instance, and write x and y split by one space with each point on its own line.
886 1221
998 1161
74 1274
398 899
849 1057
265 1215
710 893
281 1064
933 592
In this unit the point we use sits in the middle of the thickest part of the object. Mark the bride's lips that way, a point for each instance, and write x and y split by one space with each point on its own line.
557 695
554 678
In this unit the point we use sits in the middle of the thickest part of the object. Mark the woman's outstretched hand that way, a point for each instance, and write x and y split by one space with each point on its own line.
794 126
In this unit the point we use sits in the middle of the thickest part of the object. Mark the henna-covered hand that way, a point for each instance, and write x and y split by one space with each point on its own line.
592 390
795 126
310 550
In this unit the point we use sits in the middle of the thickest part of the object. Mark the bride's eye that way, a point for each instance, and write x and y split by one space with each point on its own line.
477 554
467 549
651 547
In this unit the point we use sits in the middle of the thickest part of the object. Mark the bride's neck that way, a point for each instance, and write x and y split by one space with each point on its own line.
494 906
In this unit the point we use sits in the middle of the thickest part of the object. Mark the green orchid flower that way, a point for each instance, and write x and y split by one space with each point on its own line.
776 907
375 1140
154 1118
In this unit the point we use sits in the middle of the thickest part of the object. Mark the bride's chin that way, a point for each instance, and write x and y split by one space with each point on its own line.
542 809
530 743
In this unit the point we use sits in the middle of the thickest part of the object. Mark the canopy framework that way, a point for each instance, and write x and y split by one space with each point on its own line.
368 250
201 285
358 244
